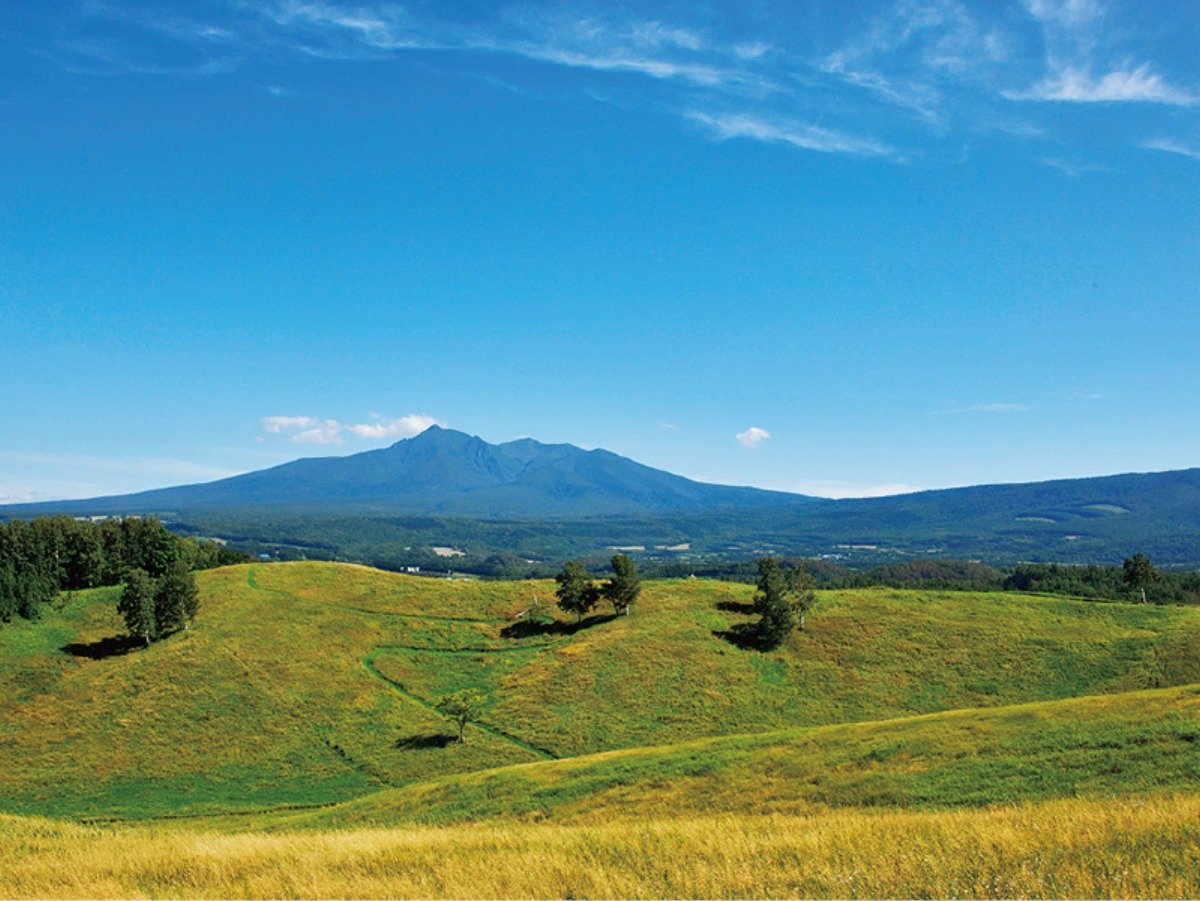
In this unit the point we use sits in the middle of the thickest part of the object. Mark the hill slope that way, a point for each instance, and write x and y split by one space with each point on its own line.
1135 743
309 684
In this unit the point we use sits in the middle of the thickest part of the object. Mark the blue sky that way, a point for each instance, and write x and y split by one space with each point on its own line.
839 248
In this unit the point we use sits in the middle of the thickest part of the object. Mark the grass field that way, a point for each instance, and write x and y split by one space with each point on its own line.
1133 848
299 706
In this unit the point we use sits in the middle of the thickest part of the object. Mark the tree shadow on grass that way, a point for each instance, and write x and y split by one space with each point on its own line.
112 646
528 628
744 636
746 609
424 742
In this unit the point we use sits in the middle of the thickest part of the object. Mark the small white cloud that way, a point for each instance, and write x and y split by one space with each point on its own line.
752 50
752 437
278 424
310 430
327 432
404 427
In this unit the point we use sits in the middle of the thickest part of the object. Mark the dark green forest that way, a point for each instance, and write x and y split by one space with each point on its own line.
51 554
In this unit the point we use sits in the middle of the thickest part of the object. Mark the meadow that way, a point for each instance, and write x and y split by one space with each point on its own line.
286 745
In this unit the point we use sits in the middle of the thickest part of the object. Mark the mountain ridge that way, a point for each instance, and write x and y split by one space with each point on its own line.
448 473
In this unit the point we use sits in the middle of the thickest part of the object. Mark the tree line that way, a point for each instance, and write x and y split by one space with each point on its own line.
51 554
1090 582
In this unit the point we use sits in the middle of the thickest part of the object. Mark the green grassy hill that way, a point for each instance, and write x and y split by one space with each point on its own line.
304 685
1097 747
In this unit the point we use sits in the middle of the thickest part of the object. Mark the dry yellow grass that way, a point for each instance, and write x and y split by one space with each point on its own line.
1132 848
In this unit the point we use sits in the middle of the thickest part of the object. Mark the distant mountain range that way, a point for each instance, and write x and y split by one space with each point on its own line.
548 501
442 472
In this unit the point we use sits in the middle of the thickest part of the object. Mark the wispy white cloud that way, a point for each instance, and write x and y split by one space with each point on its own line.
310 430
1085 65
1068 14
653 49
798 134
752 437
1074 170
911 94
990 408
1166 145
915 52
915 74
616 60
379 26
656 34
1078 85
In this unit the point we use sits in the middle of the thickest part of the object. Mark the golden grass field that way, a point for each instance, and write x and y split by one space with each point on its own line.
1126 848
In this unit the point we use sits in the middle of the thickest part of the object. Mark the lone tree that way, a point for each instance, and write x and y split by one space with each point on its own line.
576 592
772 603
624 587
136 606
1139 573
462 707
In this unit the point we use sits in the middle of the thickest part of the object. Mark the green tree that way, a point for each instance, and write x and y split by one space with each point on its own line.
136 605
801 595
624 587
1139 573
773 605
576 592
176 599
462 707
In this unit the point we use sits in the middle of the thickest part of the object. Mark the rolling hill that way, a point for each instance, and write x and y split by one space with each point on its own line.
310 684
286 745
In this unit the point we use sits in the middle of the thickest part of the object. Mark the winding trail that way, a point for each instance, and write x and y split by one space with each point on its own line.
368 661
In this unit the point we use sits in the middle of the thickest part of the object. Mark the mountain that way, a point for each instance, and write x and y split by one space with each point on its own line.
1089 520
442 472
553 501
